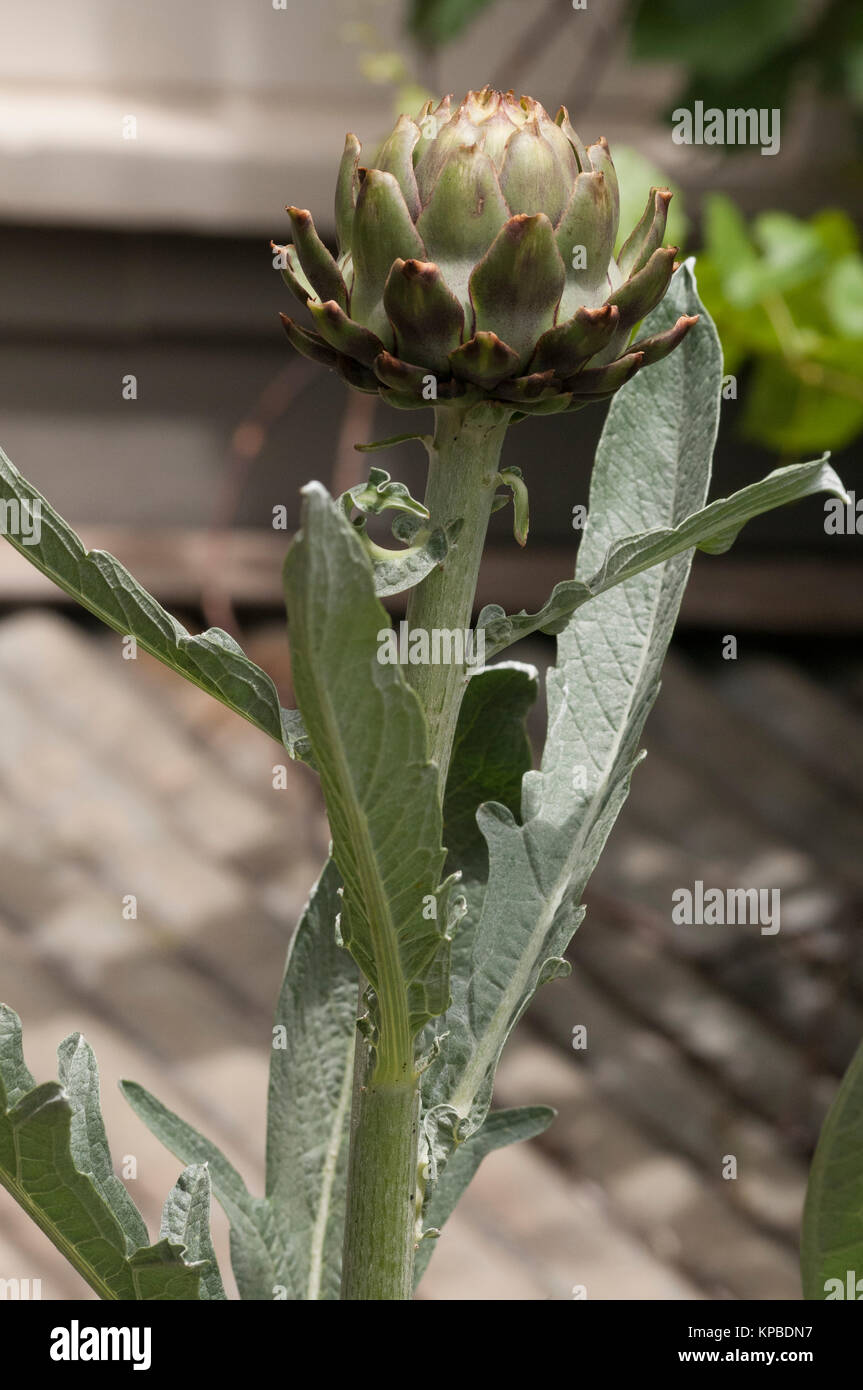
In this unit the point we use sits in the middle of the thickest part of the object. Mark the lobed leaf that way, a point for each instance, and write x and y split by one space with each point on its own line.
491 753
308 1115
88 1142
254 1247
370 744
55 1162
186 1222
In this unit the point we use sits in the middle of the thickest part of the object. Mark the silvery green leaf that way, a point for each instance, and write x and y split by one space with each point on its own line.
370 742
79 1077
289 1244
713 529
832 1239
254 1243
652 471
59 1174
186 1222
491 753
311 1074
98 581
15 1075
500 1127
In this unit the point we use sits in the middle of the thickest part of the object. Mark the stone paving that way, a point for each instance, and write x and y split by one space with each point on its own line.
119 780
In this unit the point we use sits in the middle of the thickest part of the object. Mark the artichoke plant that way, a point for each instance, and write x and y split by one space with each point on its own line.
476 262
477 259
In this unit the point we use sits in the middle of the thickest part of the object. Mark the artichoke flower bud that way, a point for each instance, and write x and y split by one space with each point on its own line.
476 262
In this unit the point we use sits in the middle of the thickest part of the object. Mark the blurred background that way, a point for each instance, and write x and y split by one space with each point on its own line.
146 155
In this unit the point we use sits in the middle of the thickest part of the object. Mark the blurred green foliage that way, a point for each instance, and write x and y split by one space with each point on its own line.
383 65
733 50
787 298
435 22
726 37
753 52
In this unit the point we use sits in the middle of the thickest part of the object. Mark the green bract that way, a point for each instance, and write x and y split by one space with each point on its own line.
476 261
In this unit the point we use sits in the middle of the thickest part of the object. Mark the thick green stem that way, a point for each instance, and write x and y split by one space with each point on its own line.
462 482
382 1171
380 1226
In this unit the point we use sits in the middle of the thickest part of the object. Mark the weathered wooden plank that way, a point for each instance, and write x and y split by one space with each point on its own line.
810 720
564 1236
770 1074
647 1074
705 1227
694 723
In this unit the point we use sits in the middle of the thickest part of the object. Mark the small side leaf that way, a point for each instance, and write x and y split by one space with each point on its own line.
391 442
186 1221
254 1250
514 480
501 1127
311 1074
380 494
